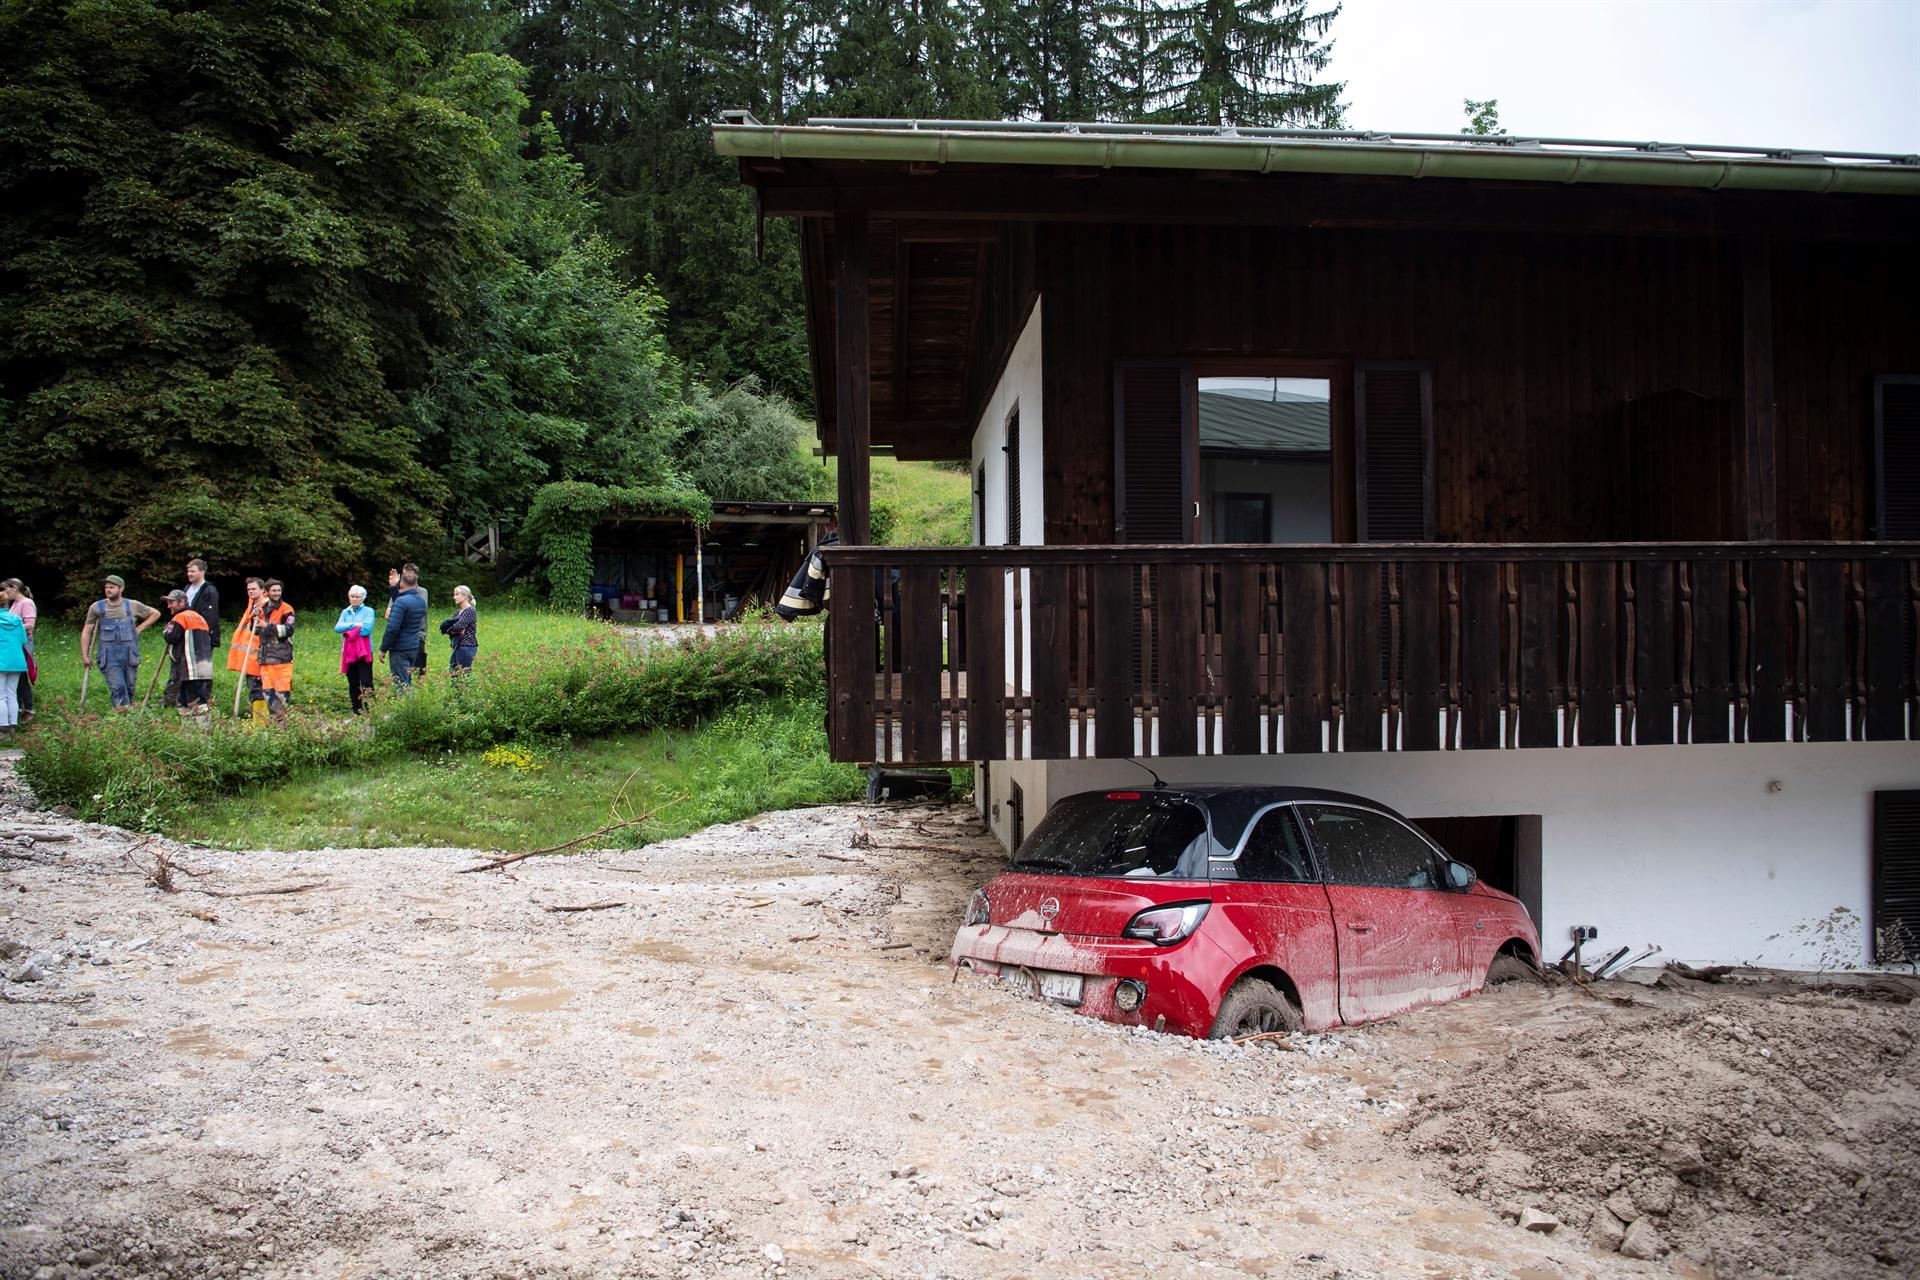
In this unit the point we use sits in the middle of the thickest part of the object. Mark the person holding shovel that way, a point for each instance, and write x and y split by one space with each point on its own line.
204 599
243 655
190 649
275 631
117 622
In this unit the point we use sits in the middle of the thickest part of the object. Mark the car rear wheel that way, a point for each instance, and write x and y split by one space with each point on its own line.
1510 968
1252 1008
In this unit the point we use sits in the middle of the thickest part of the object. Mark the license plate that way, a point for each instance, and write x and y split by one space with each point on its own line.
1064 988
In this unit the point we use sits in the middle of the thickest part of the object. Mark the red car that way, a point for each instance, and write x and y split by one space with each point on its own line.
1227 911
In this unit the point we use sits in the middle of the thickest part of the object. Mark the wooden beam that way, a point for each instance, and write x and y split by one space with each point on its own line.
852 375
902 301
957 196
1757 437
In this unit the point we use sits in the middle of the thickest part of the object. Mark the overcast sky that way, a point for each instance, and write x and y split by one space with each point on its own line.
1839 74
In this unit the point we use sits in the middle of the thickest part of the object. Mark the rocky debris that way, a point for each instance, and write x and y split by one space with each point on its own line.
1643 1242
1758 1130
1606 1232
1538 1220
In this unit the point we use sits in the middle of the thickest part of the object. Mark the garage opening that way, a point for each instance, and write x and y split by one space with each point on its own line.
1502 849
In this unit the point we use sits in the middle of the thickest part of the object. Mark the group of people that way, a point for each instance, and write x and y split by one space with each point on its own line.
260 651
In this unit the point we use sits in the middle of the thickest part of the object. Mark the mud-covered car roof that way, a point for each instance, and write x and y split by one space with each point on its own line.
1229 808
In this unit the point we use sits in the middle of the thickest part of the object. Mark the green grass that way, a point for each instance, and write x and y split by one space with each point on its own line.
930 506
317 681
747 761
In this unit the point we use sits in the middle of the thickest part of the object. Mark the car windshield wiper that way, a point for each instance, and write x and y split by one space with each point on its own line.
1053 863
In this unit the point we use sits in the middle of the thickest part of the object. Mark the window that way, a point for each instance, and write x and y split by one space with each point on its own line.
1363 848
980 505
1013 478
1273 854
1896 877
1896 441
1140 836
1266 458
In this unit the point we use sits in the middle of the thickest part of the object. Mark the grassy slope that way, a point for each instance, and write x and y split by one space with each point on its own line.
932 507
746 762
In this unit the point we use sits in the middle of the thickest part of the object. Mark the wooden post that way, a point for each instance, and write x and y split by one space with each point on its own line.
1758 416
853 366
699 577
679 586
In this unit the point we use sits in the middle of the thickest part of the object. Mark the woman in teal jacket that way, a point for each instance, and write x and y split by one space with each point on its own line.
13 669
355 628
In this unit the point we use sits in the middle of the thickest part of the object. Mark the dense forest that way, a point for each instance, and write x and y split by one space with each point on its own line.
311 286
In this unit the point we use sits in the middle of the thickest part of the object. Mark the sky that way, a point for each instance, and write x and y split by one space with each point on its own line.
1812 74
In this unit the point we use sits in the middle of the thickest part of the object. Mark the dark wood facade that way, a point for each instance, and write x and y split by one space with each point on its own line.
1651 463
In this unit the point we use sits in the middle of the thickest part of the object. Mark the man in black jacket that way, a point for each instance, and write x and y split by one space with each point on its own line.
204 599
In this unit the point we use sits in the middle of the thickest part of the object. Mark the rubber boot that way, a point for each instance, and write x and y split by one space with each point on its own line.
259 710
203 716
279 711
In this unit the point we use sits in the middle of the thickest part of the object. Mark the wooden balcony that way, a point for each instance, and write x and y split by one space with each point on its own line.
945 655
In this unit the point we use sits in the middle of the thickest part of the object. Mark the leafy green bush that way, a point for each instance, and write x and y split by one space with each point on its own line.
137 771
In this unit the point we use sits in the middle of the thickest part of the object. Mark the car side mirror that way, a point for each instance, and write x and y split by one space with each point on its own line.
1460 876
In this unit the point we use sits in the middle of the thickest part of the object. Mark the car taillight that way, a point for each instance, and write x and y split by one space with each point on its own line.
979 911
1164 926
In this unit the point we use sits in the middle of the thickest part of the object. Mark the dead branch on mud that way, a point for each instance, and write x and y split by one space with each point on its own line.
262 893
589 906
507 860
1278 1039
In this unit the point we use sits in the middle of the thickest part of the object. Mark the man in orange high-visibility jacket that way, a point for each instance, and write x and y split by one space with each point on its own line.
190 648
243 654
275 629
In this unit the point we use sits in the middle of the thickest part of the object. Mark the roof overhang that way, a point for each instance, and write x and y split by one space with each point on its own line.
1228 150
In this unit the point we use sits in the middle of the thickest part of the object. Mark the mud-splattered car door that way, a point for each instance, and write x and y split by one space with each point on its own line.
1270 908
1397 936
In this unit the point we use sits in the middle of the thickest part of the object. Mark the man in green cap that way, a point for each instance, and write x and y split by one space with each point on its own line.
118 622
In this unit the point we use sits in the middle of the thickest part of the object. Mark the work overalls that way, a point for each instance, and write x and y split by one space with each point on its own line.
117 652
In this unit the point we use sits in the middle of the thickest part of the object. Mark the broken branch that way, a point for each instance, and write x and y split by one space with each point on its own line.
590 906
80 998
262 893
494 864
1280 1039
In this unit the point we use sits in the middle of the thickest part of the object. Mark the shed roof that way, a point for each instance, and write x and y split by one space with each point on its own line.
1334 151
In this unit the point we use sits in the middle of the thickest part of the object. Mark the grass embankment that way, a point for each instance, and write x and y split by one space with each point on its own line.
738 718
749 760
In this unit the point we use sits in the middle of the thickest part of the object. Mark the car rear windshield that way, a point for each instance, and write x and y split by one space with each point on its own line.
1133 835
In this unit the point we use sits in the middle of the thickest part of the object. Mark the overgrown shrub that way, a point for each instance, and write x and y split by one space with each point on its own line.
136 770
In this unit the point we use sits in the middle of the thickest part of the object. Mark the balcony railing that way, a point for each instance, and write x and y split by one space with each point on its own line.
942 655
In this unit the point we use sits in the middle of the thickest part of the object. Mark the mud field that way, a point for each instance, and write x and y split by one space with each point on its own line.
757 1065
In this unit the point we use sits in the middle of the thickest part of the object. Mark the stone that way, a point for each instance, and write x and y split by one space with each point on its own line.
775 1254
1643 1242
1683 1158
28 972
1540 1220
1606 1232
1621 1206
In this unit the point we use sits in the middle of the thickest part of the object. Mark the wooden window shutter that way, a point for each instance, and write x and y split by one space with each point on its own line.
1013 477
1393 450
1896 451
1896 876
1153 441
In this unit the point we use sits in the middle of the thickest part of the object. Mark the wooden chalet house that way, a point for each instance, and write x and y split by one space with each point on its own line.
1564 495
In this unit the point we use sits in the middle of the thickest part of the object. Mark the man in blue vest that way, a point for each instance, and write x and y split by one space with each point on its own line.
117 623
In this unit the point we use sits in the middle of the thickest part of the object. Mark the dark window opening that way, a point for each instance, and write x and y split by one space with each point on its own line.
980 505
1896 877
1502 849
1013 478
1896 440
1016 817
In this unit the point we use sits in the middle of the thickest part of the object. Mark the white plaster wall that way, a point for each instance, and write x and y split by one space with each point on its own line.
1691 847
1019 387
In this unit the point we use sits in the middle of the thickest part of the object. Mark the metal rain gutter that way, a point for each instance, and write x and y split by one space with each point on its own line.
1312 151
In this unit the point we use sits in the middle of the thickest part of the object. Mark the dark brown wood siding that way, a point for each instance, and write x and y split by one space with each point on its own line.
1585 388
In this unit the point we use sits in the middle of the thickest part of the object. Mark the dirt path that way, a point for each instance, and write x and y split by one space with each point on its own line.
755 1066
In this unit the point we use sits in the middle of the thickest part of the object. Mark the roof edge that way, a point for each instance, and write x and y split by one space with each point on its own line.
1305 151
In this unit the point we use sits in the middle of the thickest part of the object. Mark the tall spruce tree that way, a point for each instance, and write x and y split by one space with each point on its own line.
1223 62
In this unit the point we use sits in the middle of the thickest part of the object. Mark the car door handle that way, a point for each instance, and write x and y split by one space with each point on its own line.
1360 926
